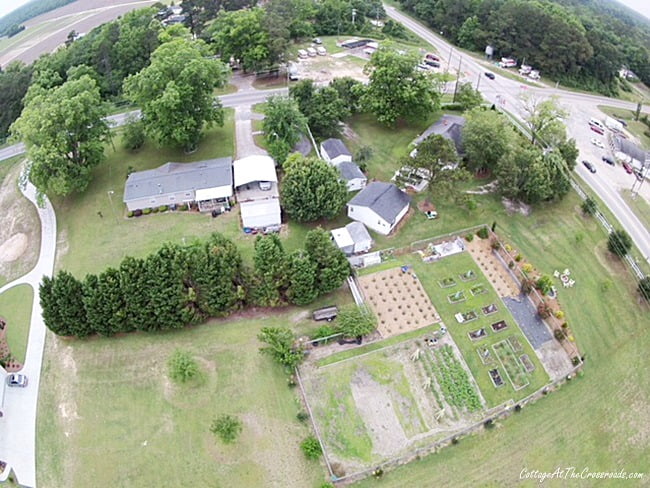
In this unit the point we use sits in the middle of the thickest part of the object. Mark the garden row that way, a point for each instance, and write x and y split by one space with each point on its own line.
181 285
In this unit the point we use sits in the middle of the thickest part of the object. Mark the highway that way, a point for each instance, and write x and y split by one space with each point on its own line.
505 93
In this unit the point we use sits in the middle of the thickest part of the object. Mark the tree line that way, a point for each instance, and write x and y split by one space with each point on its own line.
582 43
28 11
184 285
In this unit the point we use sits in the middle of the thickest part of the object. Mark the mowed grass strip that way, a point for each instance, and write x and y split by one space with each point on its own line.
16 308
115 419
598 419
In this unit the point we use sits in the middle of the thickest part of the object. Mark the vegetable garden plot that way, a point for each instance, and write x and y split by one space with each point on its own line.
515 371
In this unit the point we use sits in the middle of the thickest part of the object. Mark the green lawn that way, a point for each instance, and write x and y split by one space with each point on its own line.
639 206
430 275
636 128
596 420
109 415
16 308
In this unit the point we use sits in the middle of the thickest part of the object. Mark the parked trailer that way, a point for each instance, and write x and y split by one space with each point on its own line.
614 124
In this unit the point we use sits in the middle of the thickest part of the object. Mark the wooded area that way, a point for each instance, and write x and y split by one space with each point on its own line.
28 11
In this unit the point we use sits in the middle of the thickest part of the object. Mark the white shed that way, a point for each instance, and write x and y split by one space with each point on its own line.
256 182
335 152
352 176
260 214
352 239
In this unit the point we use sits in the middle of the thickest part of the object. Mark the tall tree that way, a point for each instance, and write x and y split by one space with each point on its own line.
332 267
302 278
311 189
280 345
438 157
350 92
487 137
323 107
14 81
467 97
283 126
104 303
397 90
64 131
62 304
544 118
270 270
175 92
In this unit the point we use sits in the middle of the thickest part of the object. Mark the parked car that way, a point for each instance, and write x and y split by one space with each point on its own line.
589 166
431 62
597 143
609 160
265 185
423 67
597 129
17 380
490 75
628 168
639 175
317 40
432 57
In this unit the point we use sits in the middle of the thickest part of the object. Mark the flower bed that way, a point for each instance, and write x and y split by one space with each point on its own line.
447 282
497 381
477 334
514 369
528 364
457 297
469 275
478 290
490 309
499 326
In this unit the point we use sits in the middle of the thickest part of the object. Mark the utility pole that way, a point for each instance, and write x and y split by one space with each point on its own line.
478 83
460 61
354 14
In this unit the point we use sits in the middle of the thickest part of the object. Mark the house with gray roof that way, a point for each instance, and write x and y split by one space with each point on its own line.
335 152
352 176
379 206
206 185
448 126
352 239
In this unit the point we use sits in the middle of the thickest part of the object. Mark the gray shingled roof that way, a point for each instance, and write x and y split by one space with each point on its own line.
385 199
350 171
448 126
303 146
358 232
178 177
335 147
631 149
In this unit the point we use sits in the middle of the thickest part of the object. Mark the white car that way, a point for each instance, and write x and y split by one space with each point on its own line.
597 143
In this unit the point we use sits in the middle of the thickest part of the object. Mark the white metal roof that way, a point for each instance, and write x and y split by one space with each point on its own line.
210 193
261 213
254 168
342 238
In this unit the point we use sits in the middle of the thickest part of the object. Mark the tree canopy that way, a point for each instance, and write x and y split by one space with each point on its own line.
322 106
397 90
64 131
175 92
283 126
311 189
487 137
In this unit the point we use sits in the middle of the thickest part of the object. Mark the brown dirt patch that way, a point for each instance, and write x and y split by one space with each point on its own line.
399 301
21 229
494 271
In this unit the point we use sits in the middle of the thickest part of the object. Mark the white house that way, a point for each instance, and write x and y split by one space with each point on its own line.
380 206
352 176
256 184
335 152
353 238
206 184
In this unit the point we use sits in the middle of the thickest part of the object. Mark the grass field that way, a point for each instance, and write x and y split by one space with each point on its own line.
639 206
115 419
16 308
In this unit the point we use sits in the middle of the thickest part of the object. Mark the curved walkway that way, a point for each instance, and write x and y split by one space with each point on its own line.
18 425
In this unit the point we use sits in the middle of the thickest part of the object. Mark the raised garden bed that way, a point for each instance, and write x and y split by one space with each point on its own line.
516 345
499 326
490 309
457 297
514 369
528 364
466 316
497 381
485 355
468 276
447 282
478 290
477 334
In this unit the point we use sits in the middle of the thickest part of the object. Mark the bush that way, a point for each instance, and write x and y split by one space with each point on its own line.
356 321
311 448
163 208
183 207
544 284
182 366
133 136
483 233
323 331
363 154
469 237
137 213
302 416
129 214
508 248
518 257
453 106
559 335
146 211
226 427
544 310
155 209
559 314
527 285
495 244
589 206
527 268
619 243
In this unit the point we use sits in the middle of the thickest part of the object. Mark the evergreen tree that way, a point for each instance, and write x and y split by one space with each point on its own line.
133 280
270 271
104 302
63 310
302 278
332 267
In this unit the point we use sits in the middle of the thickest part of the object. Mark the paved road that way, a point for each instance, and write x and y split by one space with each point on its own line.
18 425
506 92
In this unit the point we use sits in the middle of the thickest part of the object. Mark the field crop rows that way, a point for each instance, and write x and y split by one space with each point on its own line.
511 363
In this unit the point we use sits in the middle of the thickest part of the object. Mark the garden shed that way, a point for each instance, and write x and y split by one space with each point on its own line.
352 176
352 239
335 152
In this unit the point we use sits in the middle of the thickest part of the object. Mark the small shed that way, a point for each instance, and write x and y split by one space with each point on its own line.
352 176
335 152
352 239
